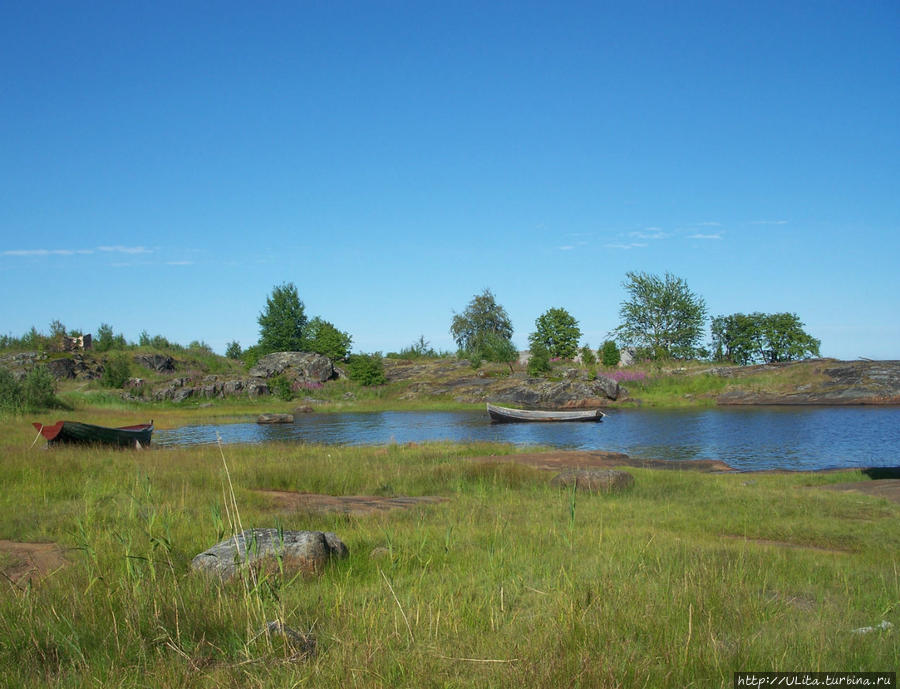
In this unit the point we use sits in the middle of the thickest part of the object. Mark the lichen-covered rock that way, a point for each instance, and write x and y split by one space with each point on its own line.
275 418
155 362
594 480
271 550
301 366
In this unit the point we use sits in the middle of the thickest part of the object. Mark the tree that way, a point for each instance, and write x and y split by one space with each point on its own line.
323 338
559 332
281 324
366 369
610 354
662 316
539 360
588 358
233 350
482 317
107 340
760 337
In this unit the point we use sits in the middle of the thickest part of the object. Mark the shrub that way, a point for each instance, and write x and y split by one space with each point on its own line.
281 388
116 372
539 363
366 369
587 356
610 354
39 389
10 392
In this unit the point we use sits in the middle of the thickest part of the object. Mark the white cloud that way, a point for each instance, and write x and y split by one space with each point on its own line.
707 224
179 263
567 247
125 249
698 235
650 233
632 245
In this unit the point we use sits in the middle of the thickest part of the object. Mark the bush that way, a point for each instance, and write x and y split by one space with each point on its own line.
610 354
39 389
587 356
539 363
116 372
10 392
281 388
366 369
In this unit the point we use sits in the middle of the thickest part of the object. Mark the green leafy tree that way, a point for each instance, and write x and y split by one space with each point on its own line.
482 319
116 372
323 338
588 358
559 332
610 354
282 322
761 337
662 317
499 349
107 340
366 369
233 350
539 361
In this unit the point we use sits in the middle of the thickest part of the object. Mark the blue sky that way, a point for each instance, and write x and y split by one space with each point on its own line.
164 165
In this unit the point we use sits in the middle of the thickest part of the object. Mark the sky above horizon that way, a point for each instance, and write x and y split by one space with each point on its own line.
163 166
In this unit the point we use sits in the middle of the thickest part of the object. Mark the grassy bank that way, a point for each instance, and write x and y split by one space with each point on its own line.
511 582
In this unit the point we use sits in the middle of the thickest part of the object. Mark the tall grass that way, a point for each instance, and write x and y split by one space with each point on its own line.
512 582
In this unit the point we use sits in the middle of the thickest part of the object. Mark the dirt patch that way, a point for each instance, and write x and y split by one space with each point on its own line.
887 488
575 459
355 505
788 544
31 561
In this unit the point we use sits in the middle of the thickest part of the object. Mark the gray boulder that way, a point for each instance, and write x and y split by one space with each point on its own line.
275 418
302 366
271 550
61 369
594 480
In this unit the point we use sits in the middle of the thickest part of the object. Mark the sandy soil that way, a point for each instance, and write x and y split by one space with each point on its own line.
31 561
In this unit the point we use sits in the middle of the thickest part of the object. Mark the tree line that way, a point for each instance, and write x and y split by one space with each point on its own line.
660 318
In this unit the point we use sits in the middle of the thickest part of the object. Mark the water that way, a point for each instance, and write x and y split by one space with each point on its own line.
748 438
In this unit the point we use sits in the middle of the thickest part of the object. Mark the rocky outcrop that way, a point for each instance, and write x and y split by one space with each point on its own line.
305 367
822 382
156 362
272 551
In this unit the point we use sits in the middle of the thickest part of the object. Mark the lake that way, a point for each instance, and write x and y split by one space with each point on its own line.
746 438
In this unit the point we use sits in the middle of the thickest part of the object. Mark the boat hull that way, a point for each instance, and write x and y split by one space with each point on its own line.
508 415
85 433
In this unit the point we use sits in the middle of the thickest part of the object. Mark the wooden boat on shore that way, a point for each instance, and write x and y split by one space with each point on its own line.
75 432
508 415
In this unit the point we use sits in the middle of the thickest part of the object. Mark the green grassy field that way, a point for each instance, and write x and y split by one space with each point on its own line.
677 582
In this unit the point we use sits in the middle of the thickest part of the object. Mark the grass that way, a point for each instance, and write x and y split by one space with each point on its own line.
678 582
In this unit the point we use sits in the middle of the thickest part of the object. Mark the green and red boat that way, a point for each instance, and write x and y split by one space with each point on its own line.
76 432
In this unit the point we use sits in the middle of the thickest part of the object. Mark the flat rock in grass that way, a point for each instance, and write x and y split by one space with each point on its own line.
594 480
275 418
304 552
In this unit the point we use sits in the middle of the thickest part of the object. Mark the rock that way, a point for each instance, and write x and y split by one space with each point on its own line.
182 394
298 551
301 366
594 480
305 409
61 369
275 418
155 362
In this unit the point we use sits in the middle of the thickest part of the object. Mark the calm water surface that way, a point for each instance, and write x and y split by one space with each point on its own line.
804 438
